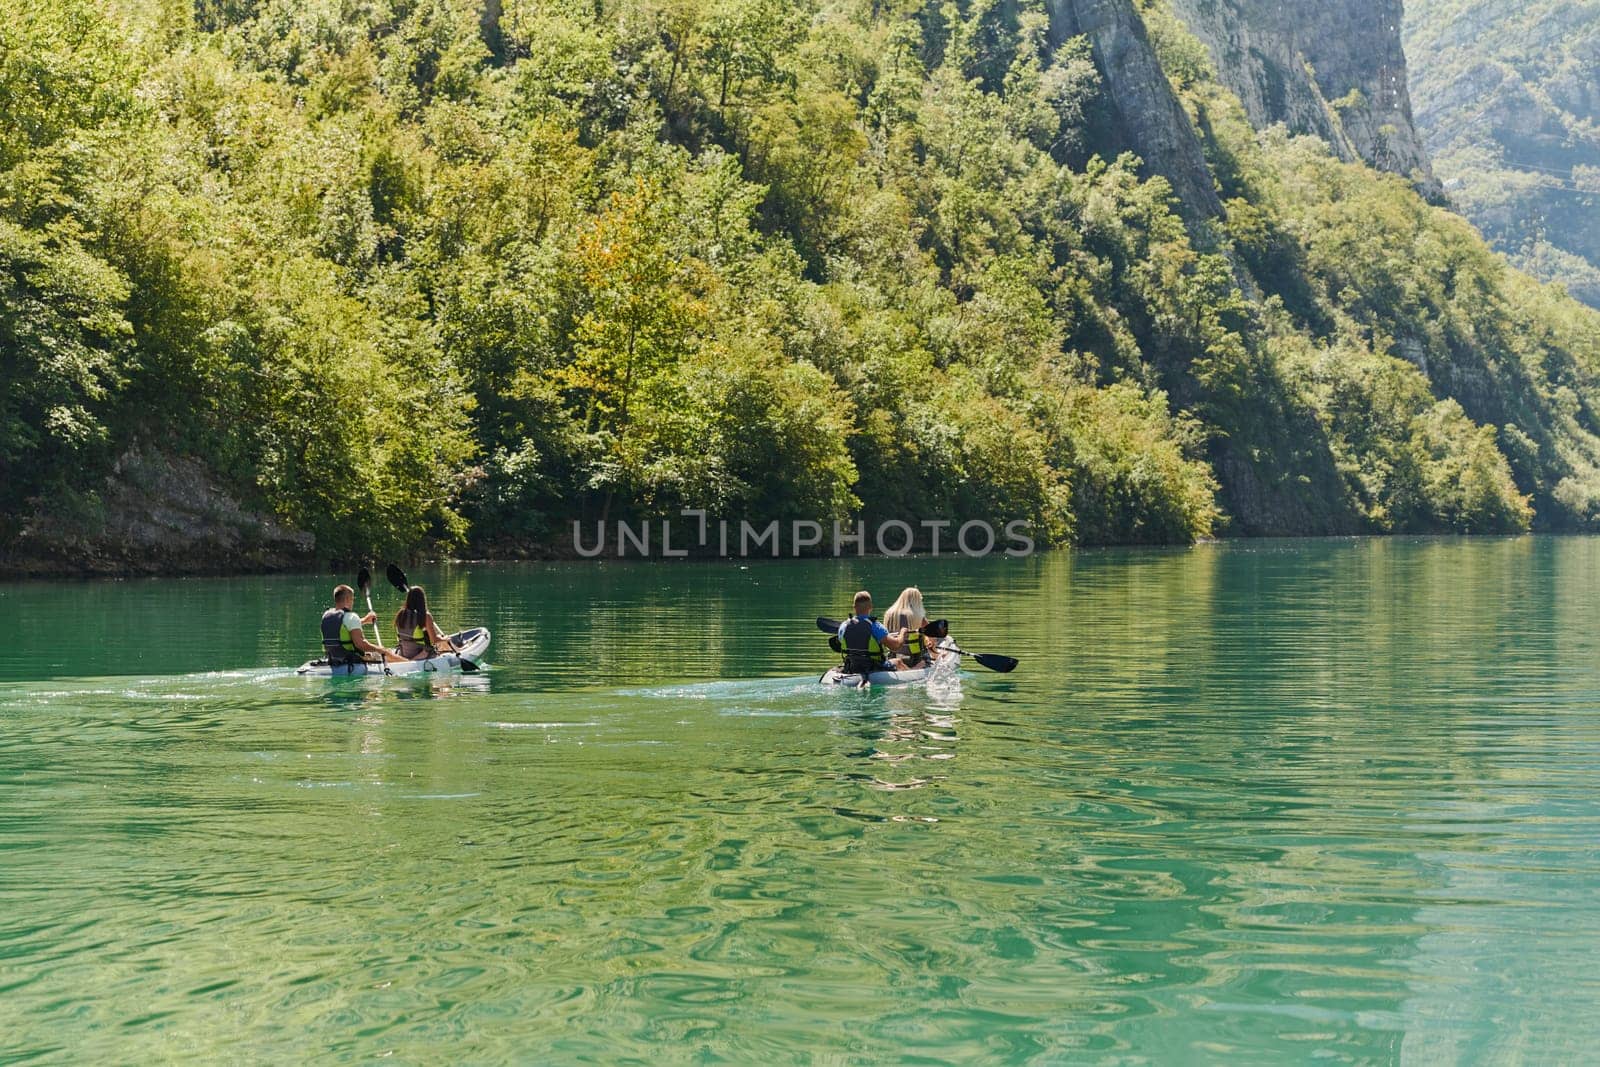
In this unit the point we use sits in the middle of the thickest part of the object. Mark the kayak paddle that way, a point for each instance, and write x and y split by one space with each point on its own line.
998 664
364 583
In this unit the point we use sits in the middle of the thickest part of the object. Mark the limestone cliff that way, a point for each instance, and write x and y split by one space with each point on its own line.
1332 68
1149 118
1508 99
1336 70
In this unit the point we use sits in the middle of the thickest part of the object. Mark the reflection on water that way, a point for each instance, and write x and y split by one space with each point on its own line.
1255 802
354 693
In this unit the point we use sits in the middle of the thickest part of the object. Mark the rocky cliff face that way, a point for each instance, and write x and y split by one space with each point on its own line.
1150 119
157 514
1332 68
1508 99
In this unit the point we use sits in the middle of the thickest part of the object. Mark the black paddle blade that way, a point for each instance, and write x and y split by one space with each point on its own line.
833 643
468 667
998 664
828 626
364 580
397 578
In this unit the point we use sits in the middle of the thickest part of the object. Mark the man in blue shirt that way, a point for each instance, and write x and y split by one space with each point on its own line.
864 639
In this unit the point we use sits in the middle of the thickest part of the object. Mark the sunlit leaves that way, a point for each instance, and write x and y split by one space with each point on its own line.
642 310
63 343
395 268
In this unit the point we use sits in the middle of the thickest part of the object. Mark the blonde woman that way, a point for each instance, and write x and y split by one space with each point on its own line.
906 618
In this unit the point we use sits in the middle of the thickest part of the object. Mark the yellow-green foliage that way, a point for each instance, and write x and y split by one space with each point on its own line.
410 273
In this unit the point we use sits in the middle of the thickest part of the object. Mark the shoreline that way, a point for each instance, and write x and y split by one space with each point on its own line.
28 569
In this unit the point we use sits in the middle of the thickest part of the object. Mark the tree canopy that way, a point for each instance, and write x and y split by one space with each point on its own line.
425 273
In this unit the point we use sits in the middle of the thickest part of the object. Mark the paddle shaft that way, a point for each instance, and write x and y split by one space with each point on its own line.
364 581
375 632
994 661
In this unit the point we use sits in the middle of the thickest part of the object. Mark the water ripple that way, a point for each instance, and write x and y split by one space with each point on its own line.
1248 803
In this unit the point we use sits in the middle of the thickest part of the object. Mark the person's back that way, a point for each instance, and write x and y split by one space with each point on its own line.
339 624
412 626
419 635
862 638
906 616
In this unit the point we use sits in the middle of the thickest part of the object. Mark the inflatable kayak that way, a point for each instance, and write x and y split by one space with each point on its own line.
949 663
473 644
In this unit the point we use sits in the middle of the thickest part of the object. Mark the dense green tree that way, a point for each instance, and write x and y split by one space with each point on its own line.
66 94
419 273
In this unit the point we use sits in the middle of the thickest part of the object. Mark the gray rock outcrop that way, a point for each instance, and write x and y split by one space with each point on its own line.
157 514
1149 117
1332 68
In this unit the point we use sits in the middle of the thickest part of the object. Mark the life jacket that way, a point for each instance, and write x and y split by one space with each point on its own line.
414 639
863 653
915 648
336 641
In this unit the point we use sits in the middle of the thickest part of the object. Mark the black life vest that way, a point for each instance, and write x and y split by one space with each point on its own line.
336 640
863 654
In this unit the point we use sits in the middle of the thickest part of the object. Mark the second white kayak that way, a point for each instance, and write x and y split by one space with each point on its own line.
949 663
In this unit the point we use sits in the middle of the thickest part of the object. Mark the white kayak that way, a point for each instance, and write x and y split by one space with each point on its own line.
949 663
473 644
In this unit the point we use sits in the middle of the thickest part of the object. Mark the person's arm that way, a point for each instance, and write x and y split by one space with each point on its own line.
439 639
359 639
889 640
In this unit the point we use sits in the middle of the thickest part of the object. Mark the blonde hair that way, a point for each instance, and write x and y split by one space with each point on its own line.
906 613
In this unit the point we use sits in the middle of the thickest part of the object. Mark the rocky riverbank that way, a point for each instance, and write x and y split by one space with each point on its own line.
156 515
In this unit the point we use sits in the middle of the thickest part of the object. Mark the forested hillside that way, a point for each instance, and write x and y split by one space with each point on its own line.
410 274
1508 98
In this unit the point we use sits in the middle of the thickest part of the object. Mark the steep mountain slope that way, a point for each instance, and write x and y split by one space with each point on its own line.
1508 99
1376 280
1335 70
1148 118
430 272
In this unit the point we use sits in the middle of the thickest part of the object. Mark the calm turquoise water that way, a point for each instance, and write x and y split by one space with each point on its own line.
1246 803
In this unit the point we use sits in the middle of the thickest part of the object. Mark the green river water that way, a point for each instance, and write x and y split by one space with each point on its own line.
1249 802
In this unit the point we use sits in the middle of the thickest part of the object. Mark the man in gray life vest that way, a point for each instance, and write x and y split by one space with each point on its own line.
342 638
